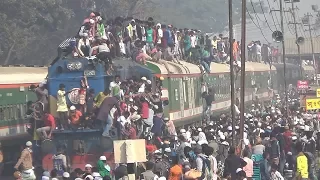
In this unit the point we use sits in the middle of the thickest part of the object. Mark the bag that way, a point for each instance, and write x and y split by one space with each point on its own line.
206 173
193 174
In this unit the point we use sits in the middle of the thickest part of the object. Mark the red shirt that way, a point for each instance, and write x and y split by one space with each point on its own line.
144 110
49 121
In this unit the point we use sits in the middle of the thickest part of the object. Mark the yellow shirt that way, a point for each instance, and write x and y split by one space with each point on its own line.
99 98
302 166
61 101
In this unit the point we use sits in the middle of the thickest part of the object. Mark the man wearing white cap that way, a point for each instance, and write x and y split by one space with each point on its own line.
142 85
25 162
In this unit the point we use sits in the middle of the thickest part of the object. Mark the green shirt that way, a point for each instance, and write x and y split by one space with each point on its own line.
150 35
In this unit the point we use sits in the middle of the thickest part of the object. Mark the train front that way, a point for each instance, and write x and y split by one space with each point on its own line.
81 145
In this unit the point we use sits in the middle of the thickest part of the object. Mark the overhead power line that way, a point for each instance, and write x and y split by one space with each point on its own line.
272 16
263 14
257 25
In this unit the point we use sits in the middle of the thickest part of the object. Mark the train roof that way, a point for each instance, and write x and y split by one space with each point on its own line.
288 66
22 75
188 68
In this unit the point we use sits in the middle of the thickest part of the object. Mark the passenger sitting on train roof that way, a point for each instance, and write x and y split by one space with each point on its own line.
75 117
103 53
66 48
49 127
84 46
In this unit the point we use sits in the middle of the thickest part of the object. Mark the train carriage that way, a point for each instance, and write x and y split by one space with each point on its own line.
14 95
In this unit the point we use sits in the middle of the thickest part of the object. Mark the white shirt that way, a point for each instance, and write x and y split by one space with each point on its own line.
193 41
142 87
113 84
258 49
276 176
160 35
122 120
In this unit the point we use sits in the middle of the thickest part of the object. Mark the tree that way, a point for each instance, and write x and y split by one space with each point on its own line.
25 22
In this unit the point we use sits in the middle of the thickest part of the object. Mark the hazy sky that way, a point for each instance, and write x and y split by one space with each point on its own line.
254 33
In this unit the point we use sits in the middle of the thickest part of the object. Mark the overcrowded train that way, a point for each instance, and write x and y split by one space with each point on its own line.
182 88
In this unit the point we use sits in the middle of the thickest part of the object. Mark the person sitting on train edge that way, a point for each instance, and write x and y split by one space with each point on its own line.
75 117
104 113
103 53
49 126
84 46
66 48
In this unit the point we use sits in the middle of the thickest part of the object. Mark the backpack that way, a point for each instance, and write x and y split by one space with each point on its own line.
206 173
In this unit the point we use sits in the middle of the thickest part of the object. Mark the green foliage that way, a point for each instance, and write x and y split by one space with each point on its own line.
31 30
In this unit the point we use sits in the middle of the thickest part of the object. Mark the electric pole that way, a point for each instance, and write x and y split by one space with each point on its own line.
232 72
283 55
243 66
307 22
296 33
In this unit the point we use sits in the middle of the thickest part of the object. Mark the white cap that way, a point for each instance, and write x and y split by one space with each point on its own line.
237 127
225 143
211 130
144 78
162 178
77 179
130 99
294 138
135 108
45 178
211 124
157 152
238 170
156 107
85 34
229 128
148 82
72 108
183 131
91 21
103 158
88 166
168 150
199 129
193 142
89 177
29 143
66 175
223 137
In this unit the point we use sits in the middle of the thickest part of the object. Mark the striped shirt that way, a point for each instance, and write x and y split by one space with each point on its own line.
70 42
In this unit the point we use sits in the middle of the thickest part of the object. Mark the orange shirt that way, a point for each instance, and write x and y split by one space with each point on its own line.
75 117
175 173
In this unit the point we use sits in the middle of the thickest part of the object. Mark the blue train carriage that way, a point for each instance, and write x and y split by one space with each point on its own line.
82 146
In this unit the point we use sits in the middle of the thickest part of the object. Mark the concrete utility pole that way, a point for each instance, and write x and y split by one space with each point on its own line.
232 72
307 22
296 32
283 55
243 65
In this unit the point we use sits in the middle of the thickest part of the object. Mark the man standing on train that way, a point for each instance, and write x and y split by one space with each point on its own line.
104 113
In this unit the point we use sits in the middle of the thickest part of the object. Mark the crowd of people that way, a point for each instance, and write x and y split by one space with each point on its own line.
144 41
277 143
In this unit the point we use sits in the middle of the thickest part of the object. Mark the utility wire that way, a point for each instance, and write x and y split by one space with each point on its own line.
257 25
263 15
272 16
287 20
